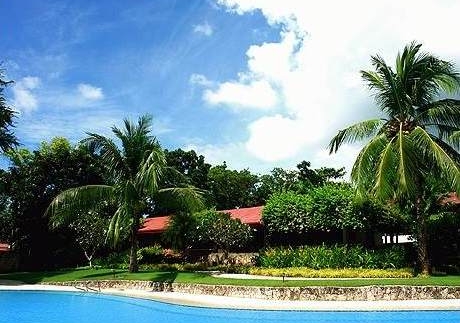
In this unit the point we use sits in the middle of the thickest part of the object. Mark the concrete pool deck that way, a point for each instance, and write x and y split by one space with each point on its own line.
251 303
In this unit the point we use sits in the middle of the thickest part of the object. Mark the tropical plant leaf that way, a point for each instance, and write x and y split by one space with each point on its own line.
356 132
362 174
69 203
438 156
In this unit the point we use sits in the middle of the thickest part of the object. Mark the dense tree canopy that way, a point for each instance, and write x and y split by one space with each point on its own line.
31 182
7 139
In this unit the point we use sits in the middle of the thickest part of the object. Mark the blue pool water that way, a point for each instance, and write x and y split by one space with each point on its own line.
50 307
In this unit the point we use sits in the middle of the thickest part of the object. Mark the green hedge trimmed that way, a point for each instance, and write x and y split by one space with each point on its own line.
338 256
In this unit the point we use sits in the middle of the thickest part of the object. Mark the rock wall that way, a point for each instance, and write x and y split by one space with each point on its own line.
369 293
235 259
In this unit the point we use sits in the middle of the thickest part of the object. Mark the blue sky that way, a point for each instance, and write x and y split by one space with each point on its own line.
256 83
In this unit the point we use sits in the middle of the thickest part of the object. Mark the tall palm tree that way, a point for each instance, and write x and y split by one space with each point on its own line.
416 135
135 172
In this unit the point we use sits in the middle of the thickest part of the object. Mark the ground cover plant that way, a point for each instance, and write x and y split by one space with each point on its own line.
204 278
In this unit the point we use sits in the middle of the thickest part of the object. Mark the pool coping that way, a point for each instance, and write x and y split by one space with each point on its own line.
228 302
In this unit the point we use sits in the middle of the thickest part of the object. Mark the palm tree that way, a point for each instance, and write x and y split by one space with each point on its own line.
135 172
417 135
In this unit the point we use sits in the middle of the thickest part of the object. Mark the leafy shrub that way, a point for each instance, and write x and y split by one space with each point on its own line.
219 229
150 255
116 260
332 273
319 257
329 207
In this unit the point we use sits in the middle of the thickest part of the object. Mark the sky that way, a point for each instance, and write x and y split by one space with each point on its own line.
256 83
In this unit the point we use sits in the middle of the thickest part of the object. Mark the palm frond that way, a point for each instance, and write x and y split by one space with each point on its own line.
362 174
118 223
182 198
110 154
71 202
441 113
446 164
406 171
151 171
454 139
385 177
356 132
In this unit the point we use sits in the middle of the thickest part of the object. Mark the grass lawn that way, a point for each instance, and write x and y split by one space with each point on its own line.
203 278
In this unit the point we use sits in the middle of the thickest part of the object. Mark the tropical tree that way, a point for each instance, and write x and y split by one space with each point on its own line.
134 172
414 136
7 139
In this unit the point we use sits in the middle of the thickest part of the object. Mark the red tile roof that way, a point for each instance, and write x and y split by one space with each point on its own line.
250 216
247 215
4 247
451 198
154 225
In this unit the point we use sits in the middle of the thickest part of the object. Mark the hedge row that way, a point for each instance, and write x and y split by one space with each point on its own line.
332 273
338 256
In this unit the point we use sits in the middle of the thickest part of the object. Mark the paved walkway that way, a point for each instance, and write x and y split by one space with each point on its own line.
248 303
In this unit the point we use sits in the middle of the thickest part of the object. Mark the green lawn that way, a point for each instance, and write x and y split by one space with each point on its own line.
202 278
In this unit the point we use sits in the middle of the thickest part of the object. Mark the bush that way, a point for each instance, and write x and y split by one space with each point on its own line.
116 260
329 207
319 257
220 230
150 255
332 273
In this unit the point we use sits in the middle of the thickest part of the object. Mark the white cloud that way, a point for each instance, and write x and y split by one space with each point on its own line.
253 95
313 70
200 79
204 29
24 100
90 92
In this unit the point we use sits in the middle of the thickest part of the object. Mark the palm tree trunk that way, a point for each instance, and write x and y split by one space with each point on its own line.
422 238
133 265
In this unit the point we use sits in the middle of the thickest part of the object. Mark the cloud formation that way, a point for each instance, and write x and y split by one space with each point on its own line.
204 29
24 99
90 92
308 82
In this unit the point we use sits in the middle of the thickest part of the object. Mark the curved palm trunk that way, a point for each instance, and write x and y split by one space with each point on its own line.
133 265
422 238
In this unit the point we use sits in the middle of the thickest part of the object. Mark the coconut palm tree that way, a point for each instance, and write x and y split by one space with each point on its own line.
416 135
134 172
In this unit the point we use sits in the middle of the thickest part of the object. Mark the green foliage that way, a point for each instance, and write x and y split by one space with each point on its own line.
287 212
338 256
190 165
230 189
150 255
180 230
220 230
7 139
329 207
32 181
444 237
332 273
90 232
417 136
135 170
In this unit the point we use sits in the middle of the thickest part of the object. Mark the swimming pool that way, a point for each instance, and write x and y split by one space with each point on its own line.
71 307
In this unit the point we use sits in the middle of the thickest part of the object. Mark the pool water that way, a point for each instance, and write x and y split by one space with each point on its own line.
67 307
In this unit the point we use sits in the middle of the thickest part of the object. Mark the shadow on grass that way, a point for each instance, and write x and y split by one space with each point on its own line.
31 277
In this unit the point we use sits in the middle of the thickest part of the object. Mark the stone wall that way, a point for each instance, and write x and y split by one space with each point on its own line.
284 293
234 259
